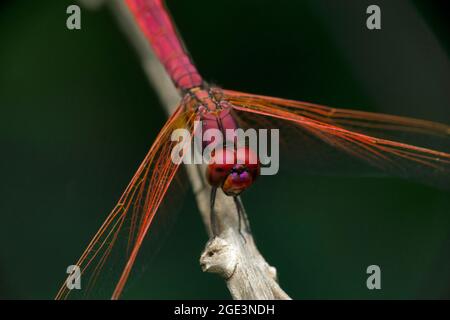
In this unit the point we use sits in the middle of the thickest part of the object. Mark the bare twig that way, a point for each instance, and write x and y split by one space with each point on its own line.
246 272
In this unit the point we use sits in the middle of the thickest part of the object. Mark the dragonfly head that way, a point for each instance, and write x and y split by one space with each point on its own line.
233 170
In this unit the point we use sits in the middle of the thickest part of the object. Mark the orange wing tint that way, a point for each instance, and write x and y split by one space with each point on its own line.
382 141
135 210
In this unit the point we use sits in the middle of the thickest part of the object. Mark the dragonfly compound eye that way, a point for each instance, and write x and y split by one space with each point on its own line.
220 166
233 171
243 173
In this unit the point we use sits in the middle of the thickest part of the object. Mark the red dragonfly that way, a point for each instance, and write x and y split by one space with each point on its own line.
337 137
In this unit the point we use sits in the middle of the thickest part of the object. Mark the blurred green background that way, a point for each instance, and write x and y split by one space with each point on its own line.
78 116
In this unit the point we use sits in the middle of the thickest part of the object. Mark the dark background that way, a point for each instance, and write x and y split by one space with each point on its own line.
78 116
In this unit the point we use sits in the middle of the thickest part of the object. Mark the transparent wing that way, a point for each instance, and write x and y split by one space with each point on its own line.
328 140
126 226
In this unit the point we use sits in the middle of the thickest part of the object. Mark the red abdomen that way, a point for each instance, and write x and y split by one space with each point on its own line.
159 30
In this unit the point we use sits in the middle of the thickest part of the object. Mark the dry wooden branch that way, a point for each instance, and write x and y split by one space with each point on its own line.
246 272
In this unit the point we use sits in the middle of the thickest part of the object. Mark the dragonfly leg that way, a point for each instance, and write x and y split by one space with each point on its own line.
241 212
244 214
213 221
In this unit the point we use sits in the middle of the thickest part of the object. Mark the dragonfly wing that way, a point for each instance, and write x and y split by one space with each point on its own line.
134 212
369 138
391 127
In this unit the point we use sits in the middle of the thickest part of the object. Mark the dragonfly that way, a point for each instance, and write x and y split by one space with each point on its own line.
337 137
